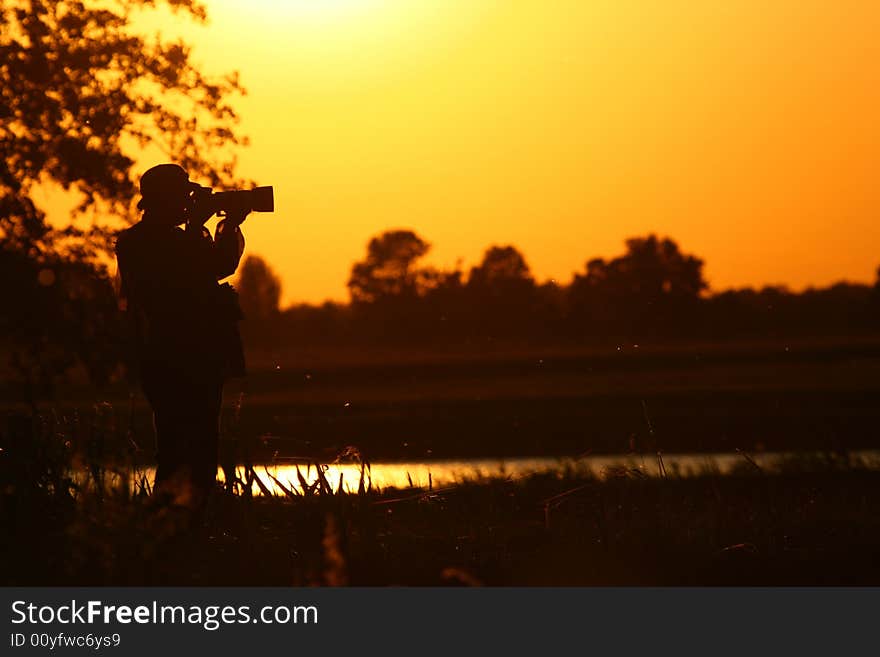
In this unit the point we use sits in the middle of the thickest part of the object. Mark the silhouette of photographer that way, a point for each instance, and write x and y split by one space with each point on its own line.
185 323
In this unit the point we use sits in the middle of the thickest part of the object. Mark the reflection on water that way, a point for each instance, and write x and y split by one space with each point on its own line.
290 475
436 474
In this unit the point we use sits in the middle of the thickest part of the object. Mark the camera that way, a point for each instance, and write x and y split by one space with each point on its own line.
258 199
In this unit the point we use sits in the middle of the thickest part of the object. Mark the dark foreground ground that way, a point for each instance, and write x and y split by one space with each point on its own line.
788 528
816 522
773 396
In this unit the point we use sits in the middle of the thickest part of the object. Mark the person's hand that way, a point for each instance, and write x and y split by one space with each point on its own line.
201 208
199 216
237 216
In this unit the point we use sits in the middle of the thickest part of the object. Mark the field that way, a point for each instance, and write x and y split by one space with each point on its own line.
753 397
814 520
796 527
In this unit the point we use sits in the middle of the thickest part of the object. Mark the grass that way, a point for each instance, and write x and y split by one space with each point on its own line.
75 500
812 521
775 397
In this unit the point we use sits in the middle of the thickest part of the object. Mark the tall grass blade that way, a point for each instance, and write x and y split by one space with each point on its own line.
288 492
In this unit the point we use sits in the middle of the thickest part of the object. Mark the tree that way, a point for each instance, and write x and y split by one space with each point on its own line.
502 266
81 91
652 286
653 269
259 290
874 302
502 293
389 271
57 315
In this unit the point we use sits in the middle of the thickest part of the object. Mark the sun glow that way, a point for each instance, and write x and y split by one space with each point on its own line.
559 127
316 11
333 32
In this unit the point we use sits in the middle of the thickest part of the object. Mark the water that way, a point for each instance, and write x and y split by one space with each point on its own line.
440 474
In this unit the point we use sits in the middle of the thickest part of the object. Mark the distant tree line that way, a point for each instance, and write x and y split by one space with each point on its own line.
84 92
61 315
653 292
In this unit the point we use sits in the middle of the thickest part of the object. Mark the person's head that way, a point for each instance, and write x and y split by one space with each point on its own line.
166 192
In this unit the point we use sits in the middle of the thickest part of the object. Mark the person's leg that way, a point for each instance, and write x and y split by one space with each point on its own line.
168 455
171 423
204 440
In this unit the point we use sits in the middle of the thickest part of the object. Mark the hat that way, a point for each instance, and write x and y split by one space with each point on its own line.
162 179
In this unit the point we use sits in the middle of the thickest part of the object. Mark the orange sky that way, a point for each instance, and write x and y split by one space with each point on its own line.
747 130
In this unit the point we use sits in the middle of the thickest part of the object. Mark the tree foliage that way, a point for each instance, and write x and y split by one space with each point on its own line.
81 91
259 289
650 270
501 265
389 271
501 292
653 293
653 284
